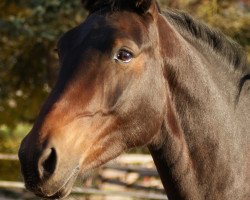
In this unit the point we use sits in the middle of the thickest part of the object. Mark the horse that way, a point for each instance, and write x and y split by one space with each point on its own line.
132 75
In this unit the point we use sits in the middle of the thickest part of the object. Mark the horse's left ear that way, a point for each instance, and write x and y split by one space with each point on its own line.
147 7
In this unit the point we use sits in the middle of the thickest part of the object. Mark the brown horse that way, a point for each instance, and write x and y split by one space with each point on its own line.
132 76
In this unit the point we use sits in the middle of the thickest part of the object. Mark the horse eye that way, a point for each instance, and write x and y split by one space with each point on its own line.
124 56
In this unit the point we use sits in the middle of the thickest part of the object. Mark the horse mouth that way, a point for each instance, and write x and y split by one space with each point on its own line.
64 190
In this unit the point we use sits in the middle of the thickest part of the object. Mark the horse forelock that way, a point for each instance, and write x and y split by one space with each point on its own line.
116 5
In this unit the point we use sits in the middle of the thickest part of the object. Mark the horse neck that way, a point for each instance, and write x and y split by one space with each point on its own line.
194 61
187 150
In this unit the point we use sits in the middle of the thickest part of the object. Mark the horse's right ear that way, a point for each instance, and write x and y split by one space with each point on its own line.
146 6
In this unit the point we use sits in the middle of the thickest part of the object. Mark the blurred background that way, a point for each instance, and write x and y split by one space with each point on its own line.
29 31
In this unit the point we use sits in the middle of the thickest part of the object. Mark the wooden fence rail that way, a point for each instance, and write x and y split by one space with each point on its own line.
91 191
121 164
142 171
8 157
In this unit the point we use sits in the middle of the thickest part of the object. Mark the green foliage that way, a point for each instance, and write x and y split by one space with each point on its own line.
11 138
28 65
9 171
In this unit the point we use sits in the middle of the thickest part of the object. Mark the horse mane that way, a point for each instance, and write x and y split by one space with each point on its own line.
193 29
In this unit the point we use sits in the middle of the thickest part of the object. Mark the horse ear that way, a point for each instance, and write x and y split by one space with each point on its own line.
147 6
143 5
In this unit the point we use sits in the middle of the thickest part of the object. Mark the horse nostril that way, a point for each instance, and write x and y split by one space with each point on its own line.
47 163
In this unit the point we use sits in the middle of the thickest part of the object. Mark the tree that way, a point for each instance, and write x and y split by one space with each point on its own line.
28 64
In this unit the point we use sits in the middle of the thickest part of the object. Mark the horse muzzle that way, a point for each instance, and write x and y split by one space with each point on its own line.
44 173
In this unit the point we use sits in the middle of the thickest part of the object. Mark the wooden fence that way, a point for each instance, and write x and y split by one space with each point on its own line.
121 164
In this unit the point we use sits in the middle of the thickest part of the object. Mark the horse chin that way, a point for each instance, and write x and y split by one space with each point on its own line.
63 192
